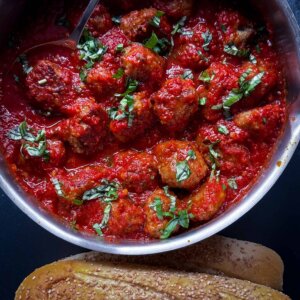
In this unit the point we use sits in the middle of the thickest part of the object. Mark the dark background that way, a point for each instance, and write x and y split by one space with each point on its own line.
274 222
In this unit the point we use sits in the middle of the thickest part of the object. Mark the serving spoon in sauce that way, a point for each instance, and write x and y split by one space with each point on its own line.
72 41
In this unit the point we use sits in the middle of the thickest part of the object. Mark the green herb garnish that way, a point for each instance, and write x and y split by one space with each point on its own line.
183 171
223 129
188 74
157 18
232 49
232 183
207 38
106 192
119 74
202 101
106 214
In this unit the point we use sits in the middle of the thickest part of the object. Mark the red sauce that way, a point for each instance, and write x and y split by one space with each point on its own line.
196 120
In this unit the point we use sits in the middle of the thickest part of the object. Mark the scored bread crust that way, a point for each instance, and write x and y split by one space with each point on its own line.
95 275
217 255
81 279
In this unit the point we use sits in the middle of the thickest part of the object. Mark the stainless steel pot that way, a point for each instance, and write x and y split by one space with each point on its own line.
280 15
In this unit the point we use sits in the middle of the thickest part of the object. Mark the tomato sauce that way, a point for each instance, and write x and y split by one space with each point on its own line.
163 118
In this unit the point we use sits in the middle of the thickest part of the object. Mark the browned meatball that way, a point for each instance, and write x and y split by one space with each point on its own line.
51 85
155 225
102 78
174 8
125 218
136 171
142 64
205 201
180 164
100 21
261 121
175 103
137 24
84 131
141 115
71 185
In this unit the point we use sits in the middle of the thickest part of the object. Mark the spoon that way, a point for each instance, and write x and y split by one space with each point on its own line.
74 38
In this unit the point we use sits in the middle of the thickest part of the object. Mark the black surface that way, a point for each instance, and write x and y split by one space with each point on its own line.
274 222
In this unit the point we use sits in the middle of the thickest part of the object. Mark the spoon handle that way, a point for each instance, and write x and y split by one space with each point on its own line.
77 32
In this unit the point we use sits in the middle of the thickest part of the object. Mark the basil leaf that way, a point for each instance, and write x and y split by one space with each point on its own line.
203 56
223 129
99 227
183 219
106 192
207 37
191 155
205 77
22 59
155 22
152 41
233 97
157 207
116 20
232 49
39 151
171 226
119 48
58 187
172 199
119 74
188 74
232 183
202 101
177 28
249 86
183 171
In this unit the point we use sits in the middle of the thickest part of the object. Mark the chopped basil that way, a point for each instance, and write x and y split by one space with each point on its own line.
42 81
202 101
119 74
223 129
189 33
157 207
126 106
39 151
160 46
224 27
183 171
232 49
188 74
172 199
22 132
203 56
182 219
152 41
119 48
22 59
252 59
191 155
116 20
213 154
106 214
106 192
157 18
78 202
205 77
207 38
232 183
177 28
91 51
246 87
58 187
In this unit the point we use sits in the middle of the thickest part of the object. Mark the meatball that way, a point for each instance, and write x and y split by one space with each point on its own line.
155 225
234 28
216 83
261 121
113 38
180 164
141 116
137 24
205 201
142 64
50 85
84 131
174 8
102 78
74 183
100 21
136 171
175 103
125 218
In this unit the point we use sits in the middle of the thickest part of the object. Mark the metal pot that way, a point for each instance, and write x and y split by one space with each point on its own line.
287 35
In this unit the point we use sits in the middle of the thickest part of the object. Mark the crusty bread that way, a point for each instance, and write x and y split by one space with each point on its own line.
82 279
218 256
94 275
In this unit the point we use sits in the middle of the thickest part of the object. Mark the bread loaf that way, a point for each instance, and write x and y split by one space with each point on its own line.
83 279
218 256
